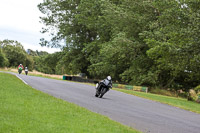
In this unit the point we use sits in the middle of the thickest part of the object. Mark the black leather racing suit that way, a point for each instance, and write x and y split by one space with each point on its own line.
104 83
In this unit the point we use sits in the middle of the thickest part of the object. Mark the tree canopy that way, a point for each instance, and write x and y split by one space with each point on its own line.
12 54
141 42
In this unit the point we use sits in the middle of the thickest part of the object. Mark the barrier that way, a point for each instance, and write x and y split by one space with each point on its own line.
79 79
127 87
115 85
64 77
130 87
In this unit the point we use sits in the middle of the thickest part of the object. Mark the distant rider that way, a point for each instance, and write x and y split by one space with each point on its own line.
104 83
20 65
26 70
20 68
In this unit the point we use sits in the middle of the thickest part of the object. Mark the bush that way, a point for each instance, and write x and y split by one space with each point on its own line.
192 95
183 95
198 99
197 89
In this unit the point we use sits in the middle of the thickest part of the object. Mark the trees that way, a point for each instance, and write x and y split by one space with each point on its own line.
153 43
3 59
16 54
61 15
173 44
48 63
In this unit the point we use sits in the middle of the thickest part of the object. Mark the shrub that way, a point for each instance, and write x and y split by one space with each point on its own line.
197 89
192 95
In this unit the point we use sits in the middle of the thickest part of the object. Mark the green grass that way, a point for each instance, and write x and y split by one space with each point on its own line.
39 75
177 102
25 110
30 74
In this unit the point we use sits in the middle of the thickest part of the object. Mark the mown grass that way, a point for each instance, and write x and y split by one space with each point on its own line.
26 110
30 74
39 75
177 102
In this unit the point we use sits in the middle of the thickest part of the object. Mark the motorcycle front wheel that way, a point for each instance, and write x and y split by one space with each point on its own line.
20 71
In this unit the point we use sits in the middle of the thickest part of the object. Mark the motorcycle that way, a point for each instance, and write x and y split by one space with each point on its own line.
105 88
26 72
20 70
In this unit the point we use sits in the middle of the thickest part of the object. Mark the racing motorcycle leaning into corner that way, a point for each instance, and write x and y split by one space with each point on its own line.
103 86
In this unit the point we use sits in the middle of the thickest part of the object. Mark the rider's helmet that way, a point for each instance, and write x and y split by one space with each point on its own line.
20 64
109 78
25 67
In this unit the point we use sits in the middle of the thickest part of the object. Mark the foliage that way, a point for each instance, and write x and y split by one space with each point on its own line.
29 62
31 52
192 95
15 54
48 63
3 60
197 89
173 44
36 53
140 42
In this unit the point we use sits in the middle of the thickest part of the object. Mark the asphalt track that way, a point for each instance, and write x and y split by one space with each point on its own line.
142 114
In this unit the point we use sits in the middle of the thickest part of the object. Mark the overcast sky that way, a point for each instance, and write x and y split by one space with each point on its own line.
19 20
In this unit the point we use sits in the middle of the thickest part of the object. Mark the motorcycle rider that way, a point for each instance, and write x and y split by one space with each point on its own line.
104 83
26 70
20 66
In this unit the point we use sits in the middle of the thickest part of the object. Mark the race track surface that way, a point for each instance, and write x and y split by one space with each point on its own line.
142 114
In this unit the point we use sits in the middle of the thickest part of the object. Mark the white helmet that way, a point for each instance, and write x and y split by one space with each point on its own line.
109 78
20 64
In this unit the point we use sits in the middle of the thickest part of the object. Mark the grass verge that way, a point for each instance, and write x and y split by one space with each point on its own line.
24 109
177 102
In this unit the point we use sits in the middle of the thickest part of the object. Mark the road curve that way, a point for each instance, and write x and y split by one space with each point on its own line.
142 114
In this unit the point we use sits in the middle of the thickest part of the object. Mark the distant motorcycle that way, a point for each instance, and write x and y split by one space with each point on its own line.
26 70
20 70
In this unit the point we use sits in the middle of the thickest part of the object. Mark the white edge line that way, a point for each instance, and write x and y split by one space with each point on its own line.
21 79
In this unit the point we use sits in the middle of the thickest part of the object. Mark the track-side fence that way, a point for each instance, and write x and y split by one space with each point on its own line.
121 86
